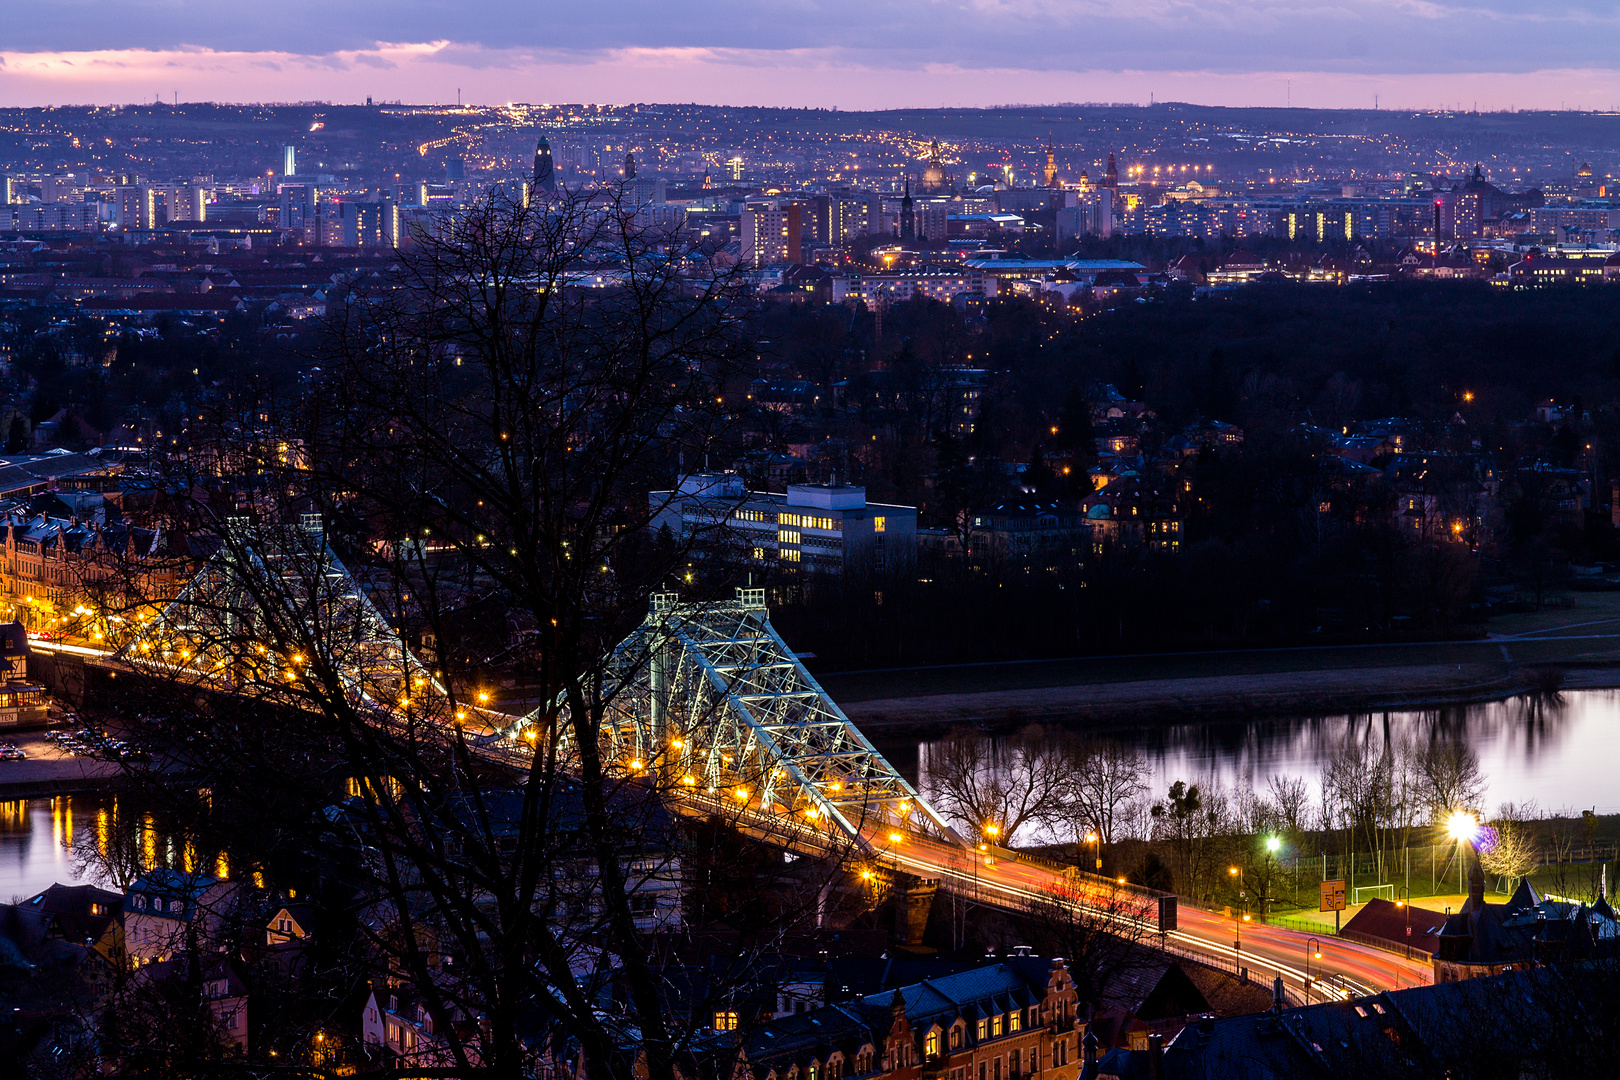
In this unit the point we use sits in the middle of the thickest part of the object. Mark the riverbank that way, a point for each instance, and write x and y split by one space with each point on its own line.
1170 688
48 771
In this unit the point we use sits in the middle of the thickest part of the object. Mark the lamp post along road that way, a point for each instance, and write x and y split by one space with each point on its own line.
1312 948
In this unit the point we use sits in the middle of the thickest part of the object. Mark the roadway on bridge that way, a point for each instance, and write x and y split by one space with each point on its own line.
1267 951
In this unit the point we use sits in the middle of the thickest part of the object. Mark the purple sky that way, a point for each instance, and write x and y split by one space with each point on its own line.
852 54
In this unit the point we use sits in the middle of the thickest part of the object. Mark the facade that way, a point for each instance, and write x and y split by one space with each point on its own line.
820 529
1004 1021
21 701
167 912
772 232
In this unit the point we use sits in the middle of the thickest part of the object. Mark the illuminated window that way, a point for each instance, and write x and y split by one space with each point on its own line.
931 1044
788 536
790 554
1015 1020
880 524
725 1021
984 1029
995 1025
759 553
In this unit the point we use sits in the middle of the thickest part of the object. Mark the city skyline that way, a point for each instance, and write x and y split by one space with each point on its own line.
898 54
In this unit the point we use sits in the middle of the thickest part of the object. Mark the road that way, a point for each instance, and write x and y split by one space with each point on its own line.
1267 951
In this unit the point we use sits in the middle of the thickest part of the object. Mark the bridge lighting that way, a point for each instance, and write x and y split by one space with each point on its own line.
676 743
742 794
689 780
1461 825
483 696
866 875
895 838
635 766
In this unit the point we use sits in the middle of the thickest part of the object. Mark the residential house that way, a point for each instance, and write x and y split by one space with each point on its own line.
1004 1021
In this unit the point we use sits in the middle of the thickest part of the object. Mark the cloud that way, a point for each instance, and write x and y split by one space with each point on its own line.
845 76
1412 36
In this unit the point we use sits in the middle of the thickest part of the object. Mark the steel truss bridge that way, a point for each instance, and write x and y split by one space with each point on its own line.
705 696
710 695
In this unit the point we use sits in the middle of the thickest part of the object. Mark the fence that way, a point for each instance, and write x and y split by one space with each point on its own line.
1415 871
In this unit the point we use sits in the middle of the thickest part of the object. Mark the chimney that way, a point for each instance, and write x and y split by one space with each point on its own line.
1476 880
1155 1053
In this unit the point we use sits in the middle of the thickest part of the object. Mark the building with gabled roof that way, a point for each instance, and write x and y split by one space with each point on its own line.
1017 1017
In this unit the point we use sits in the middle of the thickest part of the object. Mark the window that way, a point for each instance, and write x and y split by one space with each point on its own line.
759 553
984 1029
725 1021
1015 1020
995 1025
880 524
791 555
931 1043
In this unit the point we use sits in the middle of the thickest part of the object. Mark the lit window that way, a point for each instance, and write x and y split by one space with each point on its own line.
725 1021
880 524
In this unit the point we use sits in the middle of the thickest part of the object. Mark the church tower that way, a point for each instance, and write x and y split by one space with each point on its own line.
1111 176
908 214
1050 172
545 177
629 166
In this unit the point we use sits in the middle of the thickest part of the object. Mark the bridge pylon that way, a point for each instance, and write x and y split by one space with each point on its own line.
709 694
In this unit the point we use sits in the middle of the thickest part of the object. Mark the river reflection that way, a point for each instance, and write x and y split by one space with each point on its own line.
42 842
1560 750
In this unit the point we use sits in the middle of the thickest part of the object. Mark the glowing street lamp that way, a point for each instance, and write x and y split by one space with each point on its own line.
1462 826
1238 918
1312 948
1093 837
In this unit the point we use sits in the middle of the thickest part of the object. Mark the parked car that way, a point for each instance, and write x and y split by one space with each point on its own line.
12 753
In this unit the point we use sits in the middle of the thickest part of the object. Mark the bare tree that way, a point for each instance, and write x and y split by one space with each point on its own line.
998 787
1448 777
1105 780
1509 850
476 448
1100 928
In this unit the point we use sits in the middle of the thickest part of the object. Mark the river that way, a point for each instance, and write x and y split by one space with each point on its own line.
1562 752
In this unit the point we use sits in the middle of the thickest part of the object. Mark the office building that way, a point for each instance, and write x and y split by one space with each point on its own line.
138 207
370 224
772 232
289 161
823 529
188 202
298 205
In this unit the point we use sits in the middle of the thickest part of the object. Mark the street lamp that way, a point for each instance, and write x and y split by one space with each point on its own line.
1273 845
1405 904
1312 948
1093 837
1237 915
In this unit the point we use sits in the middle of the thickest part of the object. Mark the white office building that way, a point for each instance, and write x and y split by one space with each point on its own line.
822 529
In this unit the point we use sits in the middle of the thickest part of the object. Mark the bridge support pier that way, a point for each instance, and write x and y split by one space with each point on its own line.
911 909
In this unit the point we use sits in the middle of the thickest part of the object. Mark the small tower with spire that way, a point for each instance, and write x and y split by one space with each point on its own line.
908 214
1050 173
545 176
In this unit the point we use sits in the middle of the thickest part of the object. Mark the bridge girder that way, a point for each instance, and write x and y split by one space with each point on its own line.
710 695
